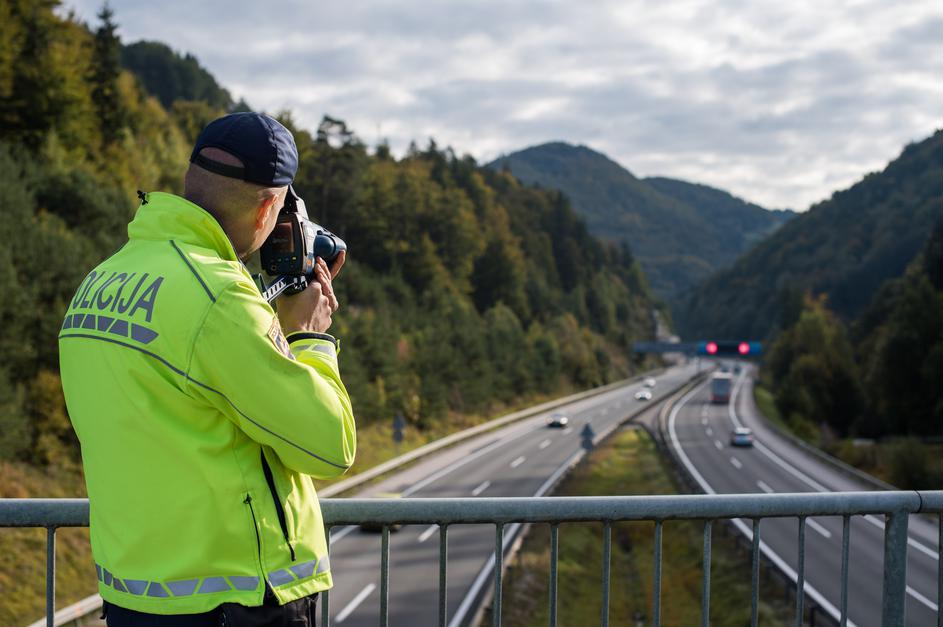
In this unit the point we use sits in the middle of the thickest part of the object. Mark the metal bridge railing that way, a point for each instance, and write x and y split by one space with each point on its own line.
502 512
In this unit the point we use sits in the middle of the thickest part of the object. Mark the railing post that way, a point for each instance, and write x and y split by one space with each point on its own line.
498 572
606 560
755 580
385 577
895 570
845 541
325 597
706 581
554 558
443 575
800 574
656 588
50 576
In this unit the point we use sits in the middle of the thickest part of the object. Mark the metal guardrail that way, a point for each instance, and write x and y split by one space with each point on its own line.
501 512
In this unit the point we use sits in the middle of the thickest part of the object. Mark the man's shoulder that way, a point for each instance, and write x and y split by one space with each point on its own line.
214 274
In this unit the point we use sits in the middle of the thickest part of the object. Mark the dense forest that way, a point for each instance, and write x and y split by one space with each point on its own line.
844 248
464 287
878 377
680 232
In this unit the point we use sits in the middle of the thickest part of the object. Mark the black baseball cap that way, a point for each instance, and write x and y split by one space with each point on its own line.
265 147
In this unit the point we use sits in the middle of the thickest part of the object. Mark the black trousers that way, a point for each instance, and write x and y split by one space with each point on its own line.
300 613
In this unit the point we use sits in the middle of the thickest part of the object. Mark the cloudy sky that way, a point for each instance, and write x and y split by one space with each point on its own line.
778 102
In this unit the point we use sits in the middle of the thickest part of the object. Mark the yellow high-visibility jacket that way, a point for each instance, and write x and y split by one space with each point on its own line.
200 423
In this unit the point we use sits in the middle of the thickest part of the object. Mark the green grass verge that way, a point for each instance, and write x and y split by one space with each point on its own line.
628 464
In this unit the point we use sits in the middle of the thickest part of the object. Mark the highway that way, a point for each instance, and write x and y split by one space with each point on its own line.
523 459
699 433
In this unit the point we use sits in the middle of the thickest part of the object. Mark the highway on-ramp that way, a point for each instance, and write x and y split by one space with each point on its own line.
523 459
699 433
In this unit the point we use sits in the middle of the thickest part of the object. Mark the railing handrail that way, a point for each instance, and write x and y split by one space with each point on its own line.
75 512
501 512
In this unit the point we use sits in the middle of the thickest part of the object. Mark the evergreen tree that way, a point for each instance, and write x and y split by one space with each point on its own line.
105 71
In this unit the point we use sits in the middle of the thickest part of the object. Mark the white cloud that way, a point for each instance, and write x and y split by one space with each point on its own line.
781 103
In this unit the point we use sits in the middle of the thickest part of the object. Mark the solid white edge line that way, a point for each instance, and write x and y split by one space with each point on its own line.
485 572
334 537
817 596
356 601
809 481
425 535
484 485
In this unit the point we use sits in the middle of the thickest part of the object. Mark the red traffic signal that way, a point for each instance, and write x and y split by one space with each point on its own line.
715 348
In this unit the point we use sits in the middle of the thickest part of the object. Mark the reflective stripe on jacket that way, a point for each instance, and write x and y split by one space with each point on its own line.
200 423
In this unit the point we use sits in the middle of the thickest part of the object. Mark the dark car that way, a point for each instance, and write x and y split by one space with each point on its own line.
557 420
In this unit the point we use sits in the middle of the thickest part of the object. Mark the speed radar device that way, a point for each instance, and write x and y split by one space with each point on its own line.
290 252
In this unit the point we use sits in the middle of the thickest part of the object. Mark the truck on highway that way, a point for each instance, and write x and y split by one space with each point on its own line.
721 383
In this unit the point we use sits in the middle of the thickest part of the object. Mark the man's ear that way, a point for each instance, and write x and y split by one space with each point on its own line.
262 213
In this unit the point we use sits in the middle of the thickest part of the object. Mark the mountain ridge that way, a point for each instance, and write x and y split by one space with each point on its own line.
661 219
844 247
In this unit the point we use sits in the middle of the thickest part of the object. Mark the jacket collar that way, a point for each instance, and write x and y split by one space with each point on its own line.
165 216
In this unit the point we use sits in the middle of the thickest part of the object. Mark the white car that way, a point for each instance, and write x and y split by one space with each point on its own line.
741 436
557 420
649 382
643 395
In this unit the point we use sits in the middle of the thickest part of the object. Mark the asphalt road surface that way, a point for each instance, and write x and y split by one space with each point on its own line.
523 459
700 434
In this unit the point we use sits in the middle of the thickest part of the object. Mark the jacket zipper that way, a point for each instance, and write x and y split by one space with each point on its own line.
258 541
279 509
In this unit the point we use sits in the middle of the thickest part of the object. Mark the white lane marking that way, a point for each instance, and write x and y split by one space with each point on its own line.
343 532
485 572
357 600
567 430
545 444
448 469
933 606
481 488
719 446
736 463
763 486
817 596
809 481
825 532
709 432
517 462
425 535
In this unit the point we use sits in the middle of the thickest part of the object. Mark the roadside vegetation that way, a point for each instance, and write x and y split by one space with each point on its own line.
869 392
628 464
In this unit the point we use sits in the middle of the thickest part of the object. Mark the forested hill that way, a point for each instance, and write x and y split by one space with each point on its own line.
844 248
464 287
680 232
739 224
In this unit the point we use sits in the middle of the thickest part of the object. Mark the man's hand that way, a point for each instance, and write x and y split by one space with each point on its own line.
311 310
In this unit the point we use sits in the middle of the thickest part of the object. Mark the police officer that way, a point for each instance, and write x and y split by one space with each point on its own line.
203 415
